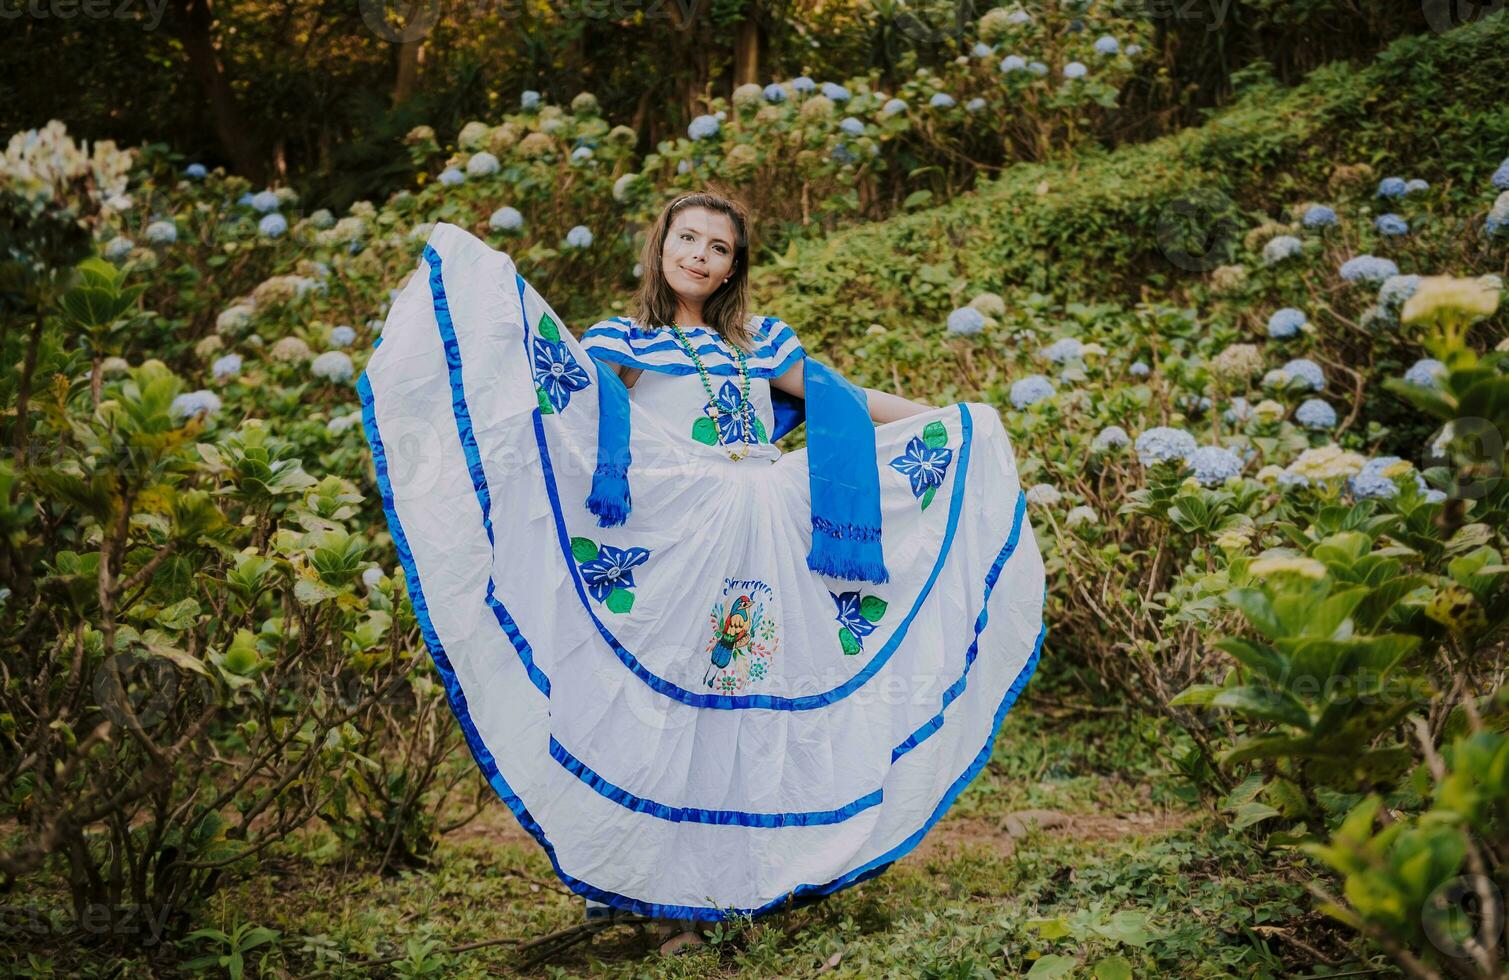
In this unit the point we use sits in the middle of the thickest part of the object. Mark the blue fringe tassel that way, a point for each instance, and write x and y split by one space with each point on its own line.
829 557
609 498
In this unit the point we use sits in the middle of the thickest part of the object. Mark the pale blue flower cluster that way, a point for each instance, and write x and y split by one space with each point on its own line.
1394 293
1239 411
342 336
196 171
333 365
1019 17
843 155
264 201
1013 62
1063 350
529 100
975 104
803 84
1315 413
579 237
1500 179
966 320
451 176
851 126
1280 248
226 367
892 107
578 155
1111 437
775 93
1214 465
1415 185
1371 483
981 50
506 219
485 164
703 127
1306 370
1392 187
1286 323
1030 390
941 100
191 403
1133 50
1075 69
118 248
835 92
1139 370
272 225
1318 216
1497 222
1391 225
1368 268
162 233
1425 372
1162 443
1037 68
1106 45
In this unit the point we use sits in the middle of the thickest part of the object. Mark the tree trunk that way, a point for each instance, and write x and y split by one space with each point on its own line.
195 27
747 47
410 56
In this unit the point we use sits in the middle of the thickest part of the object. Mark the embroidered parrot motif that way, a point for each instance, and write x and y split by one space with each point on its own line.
733 635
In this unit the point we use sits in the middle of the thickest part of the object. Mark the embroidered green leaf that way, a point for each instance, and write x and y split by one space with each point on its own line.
927 496
935 435
872 607
620 600
847 641
705 430
545 407
548 328
583 549
759 428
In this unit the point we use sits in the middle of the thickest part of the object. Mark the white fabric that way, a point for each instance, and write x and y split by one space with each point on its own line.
698 773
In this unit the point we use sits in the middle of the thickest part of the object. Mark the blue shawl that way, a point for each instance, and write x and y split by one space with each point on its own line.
842 470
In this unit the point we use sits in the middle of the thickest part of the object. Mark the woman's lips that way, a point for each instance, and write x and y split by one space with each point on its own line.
694 272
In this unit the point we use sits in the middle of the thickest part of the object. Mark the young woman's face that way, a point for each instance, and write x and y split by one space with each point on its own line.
698 253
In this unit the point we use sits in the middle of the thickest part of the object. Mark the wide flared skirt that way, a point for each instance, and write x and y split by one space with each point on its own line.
690 721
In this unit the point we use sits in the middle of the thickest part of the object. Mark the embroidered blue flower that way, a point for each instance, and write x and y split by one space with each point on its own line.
557 372
924 465
730 419
613 568
851 618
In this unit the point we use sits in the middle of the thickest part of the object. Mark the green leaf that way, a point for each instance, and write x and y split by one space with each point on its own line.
1051 967
935 435
1252 813
1265 703
705 431
927 496
872 607
847 641
583 549
1196 694
1258 657
916 199
1112 968
545 407
548 328
620 600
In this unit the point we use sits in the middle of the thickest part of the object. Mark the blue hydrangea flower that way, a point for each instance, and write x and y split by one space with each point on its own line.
775 93
850 617
1318 216
1285 323
579 237
557 372
342 336
924 465
529 100
1315 413
1500 179
245 200
892 107
1371 483
703 127
1415 186
333 365
1391 187
975 104
581 153
485 164
1425 372
1280 248
1018 17
196 171
1391 225
1111 437
1075 69
118 248
1214 465
1306 370
1434 496
191 403
1037 68
981 50
1368 268
272 225
803 84
265 201
1139 370
1063 350
226 367
451 176
842 154
835 92
851 126
1013 62
1239 411
1106 45
1497 222
1030 390
506 219
1164 442
1133 50
941 100
613 568
966 320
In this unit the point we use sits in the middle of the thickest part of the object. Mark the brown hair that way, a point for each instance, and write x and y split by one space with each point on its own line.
726 310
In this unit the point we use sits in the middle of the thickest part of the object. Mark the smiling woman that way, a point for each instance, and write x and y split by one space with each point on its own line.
676 694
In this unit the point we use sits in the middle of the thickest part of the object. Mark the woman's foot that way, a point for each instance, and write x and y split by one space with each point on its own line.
674 935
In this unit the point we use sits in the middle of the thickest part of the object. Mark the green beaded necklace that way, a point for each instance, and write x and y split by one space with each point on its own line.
745 405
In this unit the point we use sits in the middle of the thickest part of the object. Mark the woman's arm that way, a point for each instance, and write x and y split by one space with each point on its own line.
884 406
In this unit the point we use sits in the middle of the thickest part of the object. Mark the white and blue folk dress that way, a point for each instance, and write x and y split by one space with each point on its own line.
689 720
